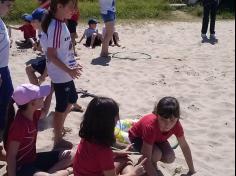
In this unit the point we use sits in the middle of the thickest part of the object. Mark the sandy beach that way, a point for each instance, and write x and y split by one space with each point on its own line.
160 59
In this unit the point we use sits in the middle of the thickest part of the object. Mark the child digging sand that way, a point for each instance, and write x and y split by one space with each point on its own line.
22 158
94 156
149 136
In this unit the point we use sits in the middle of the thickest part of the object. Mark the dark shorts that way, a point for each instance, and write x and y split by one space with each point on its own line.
109 17
65 94
138 143
44 162
97 42
71 24
39 66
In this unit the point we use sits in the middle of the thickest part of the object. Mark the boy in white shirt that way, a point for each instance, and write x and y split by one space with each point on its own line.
6 87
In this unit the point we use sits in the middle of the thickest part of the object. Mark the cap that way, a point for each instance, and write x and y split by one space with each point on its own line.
92 21
25 93
36 14
23 17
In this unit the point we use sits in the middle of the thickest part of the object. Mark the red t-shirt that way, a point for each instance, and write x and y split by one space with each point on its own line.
148 130
92 159
25 132
28 30
75 16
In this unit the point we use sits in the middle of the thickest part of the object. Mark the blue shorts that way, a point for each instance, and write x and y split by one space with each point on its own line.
65 94
109 17
39 66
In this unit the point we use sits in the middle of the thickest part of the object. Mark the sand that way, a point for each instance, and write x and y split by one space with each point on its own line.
200 75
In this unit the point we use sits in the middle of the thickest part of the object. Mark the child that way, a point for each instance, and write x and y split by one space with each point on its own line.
209 8
61 64
94 156
29 33
93 38
150 135
72 24
6 87
22 158
108 11
115 38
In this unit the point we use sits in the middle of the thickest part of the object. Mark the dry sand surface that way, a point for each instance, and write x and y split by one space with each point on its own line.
200 75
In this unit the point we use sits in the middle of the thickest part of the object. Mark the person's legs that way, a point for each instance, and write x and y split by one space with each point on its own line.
92 40
110 27
168 154
205 21
123 165
116 39
213 17
62 93
6 91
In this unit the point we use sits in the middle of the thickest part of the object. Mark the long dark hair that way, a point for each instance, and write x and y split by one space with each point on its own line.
167 107
52 11
99 121
10 118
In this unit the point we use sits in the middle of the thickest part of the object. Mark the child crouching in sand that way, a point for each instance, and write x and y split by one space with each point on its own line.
150 135
22 158
94 156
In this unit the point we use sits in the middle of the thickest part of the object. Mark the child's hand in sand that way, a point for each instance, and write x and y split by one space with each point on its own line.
139 168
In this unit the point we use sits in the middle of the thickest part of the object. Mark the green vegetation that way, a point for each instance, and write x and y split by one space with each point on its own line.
129 9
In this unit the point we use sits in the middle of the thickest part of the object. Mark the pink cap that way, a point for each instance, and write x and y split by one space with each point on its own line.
25 93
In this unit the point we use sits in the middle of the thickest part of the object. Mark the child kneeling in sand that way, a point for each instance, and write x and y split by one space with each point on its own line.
93 37
22 158
94 156
149 136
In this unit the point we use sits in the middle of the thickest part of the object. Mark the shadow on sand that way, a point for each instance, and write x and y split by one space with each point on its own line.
103 61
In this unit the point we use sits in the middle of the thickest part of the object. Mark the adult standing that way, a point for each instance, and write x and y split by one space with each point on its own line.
108 12
6 87
209 9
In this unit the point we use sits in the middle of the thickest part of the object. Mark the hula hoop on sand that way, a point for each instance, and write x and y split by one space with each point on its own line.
131 55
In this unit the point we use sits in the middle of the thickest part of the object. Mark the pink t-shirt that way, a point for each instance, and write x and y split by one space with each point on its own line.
148 130
92 159
25 132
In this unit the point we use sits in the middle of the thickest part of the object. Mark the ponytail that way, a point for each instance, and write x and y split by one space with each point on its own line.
46 21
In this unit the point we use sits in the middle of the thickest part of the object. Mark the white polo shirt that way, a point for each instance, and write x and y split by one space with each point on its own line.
58 37
4 45
107 5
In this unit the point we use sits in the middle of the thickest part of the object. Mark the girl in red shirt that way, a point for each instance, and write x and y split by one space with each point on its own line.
22 158
150 135
94 155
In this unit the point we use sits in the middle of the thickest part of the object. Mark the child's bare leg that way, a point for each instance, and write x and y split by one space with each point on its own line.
31 75
64 172
168 154
73 37
93 39
110 27
59 120
116 39
121 163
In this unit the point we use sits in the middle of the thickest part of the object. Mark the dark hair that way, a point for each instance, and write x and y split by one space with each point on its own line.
167 107
10 118
52 11
99 121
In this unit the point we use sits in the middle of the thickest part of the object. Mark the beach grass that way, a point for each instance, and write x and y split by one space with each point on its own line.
126 10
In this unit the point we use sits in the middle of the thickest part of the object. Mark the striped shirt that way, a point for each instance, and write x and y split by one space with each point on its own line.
58 37
4 45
